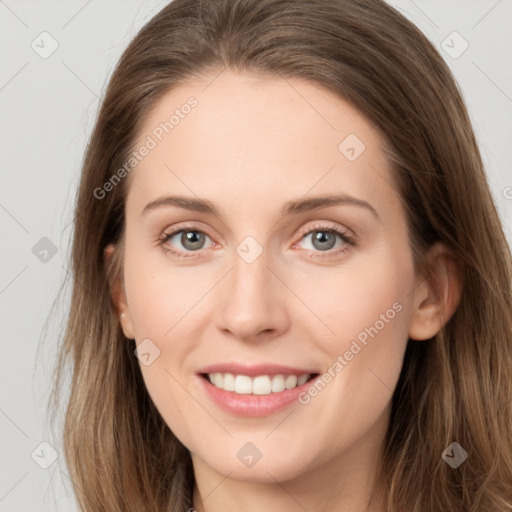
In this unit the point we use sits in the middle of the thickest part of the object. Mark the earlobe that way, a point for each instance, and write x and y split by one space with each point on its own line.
437 296
117 293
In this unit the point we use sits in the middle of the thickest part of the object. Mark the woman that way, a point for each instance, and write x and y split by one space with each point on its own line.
292 289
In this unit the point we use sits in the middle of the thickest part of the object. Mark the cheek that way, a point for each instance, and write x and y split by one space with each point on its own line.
159 300
368 308
164 304
158 295
369 313
373 291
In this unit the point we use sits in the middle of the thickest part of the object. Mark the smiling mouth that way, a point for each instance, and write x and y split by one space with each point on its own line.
258 385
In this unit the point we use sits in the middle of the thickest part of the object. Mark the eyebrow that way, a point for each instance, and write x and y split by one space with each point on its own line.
290 208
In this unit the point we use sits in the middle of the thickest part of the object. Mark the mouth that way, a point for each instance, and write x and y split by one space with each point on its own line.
254 391
258 385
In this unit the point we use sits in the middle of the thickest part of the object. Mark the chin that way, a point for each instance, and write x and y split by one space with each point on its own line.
250 464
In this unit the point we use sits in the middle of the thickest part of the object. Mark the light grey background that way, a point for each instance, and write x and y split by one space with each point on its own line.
48 108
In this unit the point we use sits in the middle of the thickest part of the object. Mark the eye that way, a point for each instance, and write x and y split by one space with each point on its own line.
324 238
190 239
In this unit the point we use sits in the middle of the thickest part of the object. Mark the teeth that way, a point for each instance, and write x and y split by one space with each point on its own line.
229 382
260 385
278 384
243 385
302 380
290 382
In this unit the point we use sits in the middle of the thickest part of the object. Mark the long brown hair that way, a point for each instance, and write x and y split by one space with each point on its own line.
455 387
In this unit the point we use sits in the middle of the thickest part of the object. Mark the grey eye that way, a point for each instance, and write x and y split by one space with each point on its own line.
190 239
322 240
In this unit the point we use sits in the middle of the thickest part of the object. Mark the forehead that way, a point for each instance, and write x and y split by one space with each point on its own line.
258 138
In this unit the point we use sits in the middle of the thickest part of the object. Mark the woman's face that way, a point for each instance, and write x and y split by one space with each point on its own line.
269 283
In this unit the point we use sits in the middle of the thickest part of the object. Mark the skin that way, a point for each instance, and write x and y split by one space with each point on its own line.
250 145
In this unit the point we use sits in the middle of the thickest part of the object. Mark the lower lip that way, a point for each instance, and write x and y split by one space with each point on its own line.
253 405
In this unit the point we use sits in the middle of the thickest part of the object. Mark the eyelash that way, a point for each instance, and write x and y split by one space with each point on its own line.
322 228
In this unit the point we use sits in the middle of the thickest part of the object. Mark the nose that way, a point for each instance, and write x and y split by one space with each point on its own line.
252 303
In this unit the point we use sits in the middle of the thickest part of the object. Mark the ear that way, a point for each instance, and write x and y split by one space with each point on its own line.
117 292
437 295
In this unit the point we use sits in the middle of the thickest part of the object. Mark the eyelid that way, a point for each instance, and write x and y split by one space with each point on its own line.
325 224
321 224
185 226
169 233
345 234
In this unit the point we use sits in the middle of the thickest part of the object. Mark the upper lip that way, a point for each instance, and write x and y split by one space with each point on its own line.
255 370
